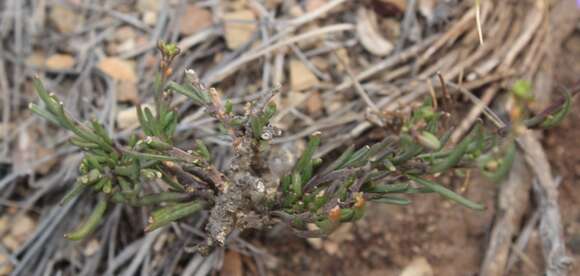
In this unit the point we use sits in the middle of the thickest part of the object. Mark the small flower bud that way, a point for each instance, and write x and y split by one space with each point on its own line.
492 165
429 140
359 201
334 214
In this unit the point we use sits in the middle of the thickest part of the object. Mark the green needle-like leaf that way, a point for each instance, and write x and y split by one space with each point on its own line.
76 190
341 160
392 200
358 158
554 119
44 114
387 188
504 165
304 164
170 214
90 224
202 150
198 97
447 193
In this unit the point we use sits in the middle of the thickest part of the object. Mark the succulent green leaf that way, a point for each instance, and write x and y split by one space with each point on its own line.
346 214
202 149
326 225
107 185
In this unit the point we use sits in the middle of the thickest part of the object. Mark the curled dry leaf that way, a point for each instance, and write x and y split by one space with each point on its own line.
369 36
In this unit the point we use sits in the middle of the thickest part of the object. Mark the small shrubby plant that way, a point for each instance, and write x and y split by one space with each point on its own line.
253 192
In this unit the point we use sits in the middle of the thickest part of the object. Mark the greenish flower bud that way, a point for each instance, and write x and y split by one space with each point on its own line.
523 90
151 174
427 139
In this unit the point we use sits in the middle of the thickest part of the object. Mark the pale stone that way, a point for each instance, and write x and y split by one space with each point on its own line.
150 18
239 26
128 117
64 18
60 62
314 104
118 69
194 19
92 247
127 91
301 78
37 59
6 267
418 267
312 5
148 5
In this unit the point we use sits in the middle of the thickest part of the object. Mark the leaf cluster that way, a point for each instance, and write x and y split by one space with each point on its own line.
175 183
